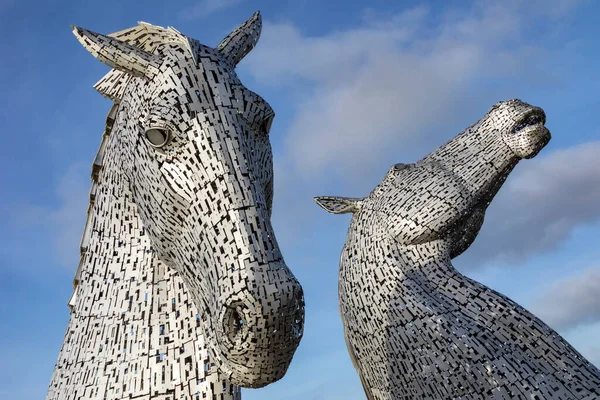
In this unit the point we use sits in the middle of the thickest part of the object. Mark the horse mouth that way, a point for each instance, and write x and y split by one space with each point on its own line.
530 133
535 118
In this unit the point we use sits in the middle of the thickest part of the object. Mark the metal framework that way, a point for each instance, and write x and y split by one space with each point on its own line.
181 292
415 327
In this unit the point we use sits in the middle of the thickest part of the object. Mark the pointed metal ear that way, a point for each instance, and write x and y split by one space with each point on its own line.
117 54
243 39
339 205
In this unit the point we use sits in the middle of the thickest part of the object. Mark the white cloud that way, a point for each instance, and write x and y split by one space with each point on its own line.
66 222
397 87
389 87
204 8
285 55
331 373
541 204
592 353
572 302
62 224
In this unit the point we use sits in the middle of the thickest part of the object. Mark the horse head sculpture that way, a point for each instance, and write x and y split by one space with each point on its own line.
190 145
415 327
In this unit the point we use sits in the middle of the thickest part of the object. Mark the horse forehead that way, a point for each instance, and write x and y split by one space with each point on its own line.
200 63
208 77
209 73
508 110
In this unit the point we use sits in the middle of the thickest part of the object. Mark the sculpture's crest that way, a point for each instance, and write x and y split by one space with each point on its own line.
179 223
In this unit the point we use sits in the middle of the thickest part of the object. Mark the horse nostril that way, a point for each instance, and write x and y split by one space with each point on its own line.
238 323
234 323
298 322
297 328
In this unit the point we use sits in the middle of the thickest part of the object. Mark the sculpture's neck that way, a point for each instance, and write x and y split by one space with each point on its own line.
134 331
480 159
116 217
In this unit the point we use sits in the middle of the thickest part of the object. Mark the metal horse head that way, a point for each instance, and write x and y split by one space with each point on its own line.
196 158
416 327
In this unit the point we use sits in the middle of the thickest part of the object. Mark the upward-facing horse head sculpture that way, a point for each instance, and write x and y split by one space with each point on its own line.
187 171
415 327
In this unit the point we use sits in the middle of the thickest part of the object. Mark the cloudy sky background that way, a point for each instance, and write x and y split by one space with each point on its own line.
356 89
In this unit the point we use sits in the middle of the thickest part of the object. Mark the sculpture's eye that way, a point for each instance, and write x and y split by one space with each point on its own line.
267 124
158 137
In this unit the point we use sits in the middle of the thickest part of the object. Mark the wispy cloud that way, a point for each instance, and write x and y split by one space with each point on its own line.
544 201
204 8
572 302
388 88
67 220
323 369
593 354
62 223
387 91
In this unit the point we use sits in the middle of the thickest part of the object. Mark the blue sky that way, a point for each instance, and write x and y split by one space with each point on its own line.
356 89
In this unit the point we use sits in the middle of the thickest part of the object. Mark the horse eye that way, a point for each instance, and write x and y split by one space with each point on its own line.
157 137
267 124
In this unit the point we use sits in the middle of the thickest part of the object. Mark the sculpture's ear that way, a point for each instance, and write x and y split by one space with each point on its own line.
243 39
339 205
117 54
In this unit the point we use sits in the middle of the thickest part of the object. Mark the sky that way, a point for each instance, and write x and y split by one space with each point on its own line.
356 89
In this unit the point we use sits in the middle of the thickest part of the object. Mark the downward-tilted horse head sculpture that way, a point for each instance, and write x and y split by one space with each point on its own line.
195 155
